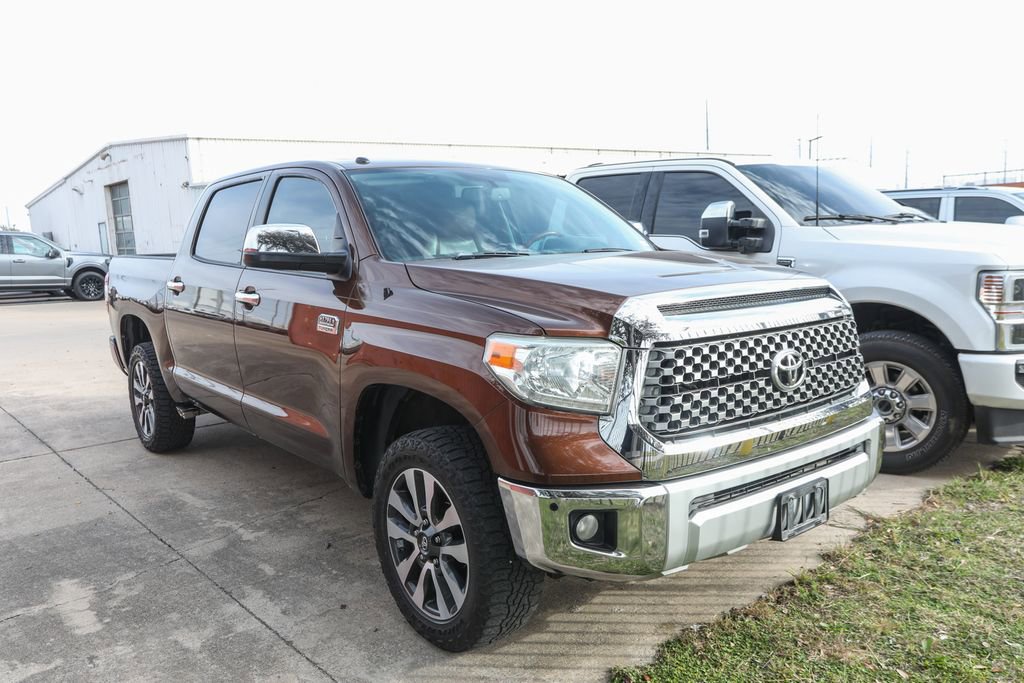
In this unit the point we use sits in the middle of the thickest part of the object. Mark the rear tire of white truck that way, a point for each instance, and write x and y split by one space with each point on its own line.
443 542
918 391
157 422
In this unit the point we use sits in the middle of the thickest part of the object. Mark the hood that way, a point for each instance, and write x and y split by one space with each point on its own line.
578 294
989 244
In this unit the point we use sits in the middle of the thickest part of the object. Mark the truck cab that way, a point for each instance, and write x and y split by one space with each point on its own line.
940 306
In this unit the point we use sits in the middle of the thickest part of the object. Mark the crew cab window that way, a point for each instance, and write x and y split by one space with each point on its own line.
222 231
617 191
984 210
684 196
305 201
930 205
28 246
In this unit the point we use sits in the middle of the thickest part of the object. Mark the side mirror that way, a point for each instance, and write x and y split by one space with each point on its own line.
53 253
1015 220
714 225
720 229
285 246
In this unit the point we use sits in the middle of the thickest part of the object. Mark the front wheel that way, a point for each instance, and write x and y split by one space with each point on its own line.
88 286
157 422
917 390
443 544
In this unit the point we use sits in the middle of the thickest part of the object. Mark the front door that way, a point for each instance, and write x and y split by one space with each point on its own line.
200 307
289 342
5 263
32 265
679 199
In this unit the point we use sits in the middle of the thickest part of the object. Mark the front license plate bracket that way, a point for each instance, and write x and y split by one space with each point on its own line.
801 509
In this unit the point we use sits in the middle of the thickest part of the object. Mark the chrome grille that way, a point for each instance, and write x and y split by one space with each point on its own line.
725 381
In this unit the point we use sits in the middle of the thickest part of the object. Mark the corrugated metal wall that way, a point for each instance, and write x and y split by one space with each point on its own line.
161 204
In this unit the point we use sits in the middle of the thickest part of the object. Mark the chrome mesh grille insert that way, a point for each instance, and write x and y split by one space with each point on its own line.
743 301
725 381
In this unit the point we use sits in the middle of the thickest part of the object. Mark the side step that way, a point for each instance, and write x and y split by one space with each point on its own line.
188 411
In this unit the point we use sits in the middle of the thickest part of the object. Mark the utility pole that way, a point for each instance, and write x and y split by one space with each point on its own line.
817 202
1004 160
799 148
707 127
871 153
906 170
7 210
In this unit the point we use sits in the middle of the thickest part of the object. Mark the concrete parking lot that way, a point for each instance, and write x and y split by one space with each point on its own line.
235 560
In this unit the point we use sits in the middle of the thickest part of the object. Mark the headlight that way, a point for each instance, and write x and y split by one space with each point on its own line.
573 374
1002 295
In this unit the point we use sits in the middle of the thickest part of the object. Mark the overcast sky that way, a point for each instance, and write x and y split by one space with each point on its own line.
940 80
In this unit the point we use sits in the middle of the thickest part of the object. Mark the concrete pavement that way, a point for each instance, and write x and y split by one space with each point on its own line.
235 560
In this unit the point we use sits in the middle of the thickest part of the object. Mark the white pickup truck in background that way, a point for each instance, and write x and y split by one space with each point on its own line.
940 306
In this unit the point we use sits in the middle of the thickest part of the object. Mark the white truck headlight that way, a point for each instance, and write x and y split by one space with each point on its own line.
556 372
1002 295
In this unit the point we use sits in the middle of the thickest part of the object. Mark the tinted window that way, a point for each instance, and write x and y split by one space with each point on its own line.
930 205
227 217
617 191
29 246
984 210
307 202
685 195
439 213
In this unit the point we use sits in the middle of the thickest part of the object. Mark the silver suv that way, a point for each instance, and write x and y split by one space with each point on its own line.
972 203
30 263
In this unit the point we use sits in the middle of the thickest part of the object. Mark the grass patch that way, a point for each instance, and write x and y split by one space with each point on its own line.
935 594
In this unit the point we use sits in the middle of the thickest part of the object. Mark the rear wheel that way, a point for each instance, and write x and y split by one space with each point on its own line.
917 390
88 286
157 422
443 544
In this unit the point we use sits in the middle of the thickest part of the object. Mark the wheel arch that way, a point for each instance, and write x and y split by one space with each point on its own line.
873 316
385 410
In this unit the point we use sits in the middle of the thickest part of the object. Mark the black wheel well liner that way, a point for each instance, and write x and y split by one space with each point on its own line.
874 317
133 333
385 412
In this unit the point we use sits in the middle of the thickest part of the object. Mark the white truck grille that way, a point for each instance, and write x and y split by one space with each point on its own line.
728 381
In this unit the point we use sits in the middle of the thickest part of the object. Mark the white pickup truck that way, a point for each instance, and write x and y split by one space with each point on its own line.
940 306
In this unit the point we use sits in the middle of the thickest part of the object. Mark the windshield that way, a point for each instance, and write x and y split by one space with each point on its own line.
793 188
435 213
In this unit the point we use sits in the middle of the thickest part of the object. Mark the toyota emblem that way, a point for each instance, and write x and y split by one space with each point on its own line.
788 369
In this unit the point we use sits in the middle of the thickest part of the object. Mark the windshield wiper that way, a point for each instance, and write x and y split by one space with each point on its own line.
910 215
488 254
597 250
858 217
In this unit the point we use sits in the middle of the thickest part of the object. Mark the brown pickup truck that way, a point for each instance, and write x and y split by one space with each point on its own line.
519 379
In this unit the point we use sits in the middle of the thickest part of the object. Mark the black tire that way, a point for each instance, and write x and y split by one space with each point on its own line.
949 419
88 286
157 422
501 591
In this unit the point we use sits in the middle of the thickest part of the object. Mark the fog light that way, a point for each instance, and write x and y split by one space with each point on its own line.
587 527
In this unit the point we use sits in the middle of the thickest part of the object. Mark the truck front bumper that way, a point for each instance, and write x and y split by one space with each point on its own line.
995 387
661 527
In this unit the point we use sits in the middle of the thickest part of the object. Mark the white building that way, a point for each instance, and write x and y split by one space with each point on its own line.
137 196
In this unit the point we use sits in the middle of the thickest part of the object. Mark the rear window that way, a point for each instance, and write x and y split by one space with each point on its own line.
617 191
930 205
222 231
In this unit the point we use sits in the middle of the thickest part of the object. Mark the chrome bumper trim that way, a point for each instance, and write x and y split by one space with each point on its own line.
657 531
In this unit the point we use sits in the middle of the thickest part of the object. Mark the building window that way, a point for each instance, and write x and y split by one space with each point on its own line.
121 210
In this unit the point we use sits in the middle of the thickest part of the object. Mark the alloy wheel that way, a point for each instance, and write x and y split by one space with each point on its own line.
91 286
904 400
143 399
428 545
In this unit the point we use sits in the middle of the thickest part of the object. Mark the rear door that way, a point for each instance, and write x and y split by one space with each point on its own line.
200 309
31 264
289 343
5 263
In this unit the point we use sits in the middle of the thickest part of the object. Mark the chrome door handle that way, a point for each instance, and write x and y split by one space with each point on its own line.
176 286
247 298
18 260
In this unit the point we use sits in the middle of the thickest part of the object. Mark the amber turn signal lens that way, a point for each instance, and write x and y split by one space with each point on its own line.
503 355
